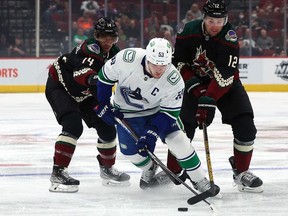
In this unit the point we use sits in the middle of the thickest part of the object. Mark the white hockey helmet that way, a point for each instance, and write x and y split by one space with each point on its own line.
159 51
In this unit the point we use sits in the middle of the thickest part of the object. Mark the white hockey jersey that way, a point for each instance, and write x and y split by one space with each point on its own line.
137 93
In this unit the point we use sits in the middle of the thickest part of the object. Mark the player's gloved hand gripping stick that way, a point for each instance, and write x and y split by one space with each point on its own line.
195 199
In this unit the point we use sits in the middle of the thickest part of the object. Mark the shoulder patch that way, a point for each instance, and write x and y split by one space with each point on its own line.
173 78
129 55
94 48
231 36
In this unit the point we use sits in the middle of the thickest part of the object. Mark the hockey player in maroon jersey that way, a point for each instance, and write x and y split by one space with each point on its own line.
207 55
71 92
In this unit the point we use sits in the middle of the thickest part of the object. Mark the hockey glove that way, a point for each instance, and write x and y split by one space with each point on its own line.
194 86
147 141
206 111
107 113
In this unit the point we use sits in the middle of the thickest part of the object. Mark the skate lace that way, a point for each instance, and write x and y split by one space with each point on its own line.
65 174
147 175
245 178
163 179
203 185
113 171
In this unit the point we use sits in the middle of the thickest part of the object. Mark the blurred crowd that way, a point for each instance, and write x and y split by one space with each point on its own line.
265 37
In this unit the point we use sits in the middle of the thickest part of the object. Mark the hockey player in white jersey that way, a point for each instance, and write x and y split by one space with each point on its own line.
148 96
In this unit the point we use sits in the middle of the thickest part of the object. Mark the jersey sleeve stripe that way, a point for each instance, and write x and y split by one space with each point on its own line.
103 78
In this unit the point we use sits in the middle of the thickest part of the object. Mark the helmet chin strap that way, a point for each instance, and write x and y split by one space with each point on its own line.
147 68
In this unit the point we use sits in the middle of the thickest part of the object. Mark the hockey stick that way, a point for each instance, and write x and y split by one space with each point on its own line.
197 198
212 191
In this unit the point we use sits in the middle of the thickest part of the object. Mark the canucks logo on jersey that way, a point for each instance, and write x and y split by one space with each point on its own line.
127 93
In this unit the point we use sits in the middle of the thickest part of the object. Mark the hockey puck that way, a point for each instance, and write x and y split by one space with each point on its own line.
183 209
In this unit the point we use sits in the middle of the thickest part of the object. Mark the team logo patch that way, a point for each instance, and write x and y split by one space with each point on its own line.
94 48
231 36
129 55
173 77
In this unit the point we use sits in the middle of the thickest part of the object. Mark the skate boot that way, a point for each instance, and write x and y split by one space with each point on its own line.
204 185
246 181
160 180
147 176
111 176
62 182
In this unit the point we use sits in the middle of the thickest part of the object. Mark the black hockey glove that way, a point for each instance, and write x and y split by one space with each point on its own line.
194 86
206 111
108 113
147 141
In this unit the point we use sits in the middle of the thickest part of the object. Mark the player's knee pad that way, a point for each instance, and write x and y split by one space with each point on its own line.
179 144
72 124
244 128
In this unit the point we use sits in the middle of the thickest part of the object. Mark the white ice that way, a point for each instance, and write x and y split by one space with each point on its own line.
28 132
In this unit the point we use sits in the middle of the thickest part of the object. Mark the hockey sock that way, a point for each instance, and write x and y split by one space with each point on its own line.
64 150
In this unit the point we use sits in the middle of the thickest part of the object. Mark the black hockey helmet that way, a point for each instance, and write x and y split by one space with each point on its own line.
106 26
215 8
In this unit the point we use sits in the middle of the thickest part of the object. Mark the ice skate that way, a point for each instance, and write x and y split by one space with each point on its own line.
246 181
62 182
160 180
204 185
147 176
112 177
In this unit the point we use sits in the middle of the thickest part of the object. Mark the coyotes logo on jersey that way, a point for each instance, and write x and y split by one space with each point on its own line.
202 64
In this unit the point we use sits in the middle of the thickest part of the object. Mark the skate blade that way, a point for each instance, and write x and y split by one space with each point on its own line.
60 188
242 188
113 183
219 196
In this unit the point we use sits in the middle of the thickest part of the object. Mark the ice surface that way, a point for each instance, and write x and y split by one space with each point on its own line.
28 132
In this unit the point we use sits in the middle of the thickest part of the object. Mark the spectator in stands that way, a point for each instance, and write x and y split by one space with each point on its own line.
90 6
112 11
241 21
151 25
85 23
79 37
255 21
263 18
196 12
170 37
3 45
188 18
17 49
264 42
243 47
248 40
279 52
165 25
133 30
55 7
